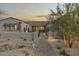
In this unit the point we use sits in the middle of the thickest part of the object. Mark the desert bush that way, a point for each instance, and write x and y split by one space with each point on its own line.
25 53
2 49
25 39
32 39
58 47
20 46
5 45
64 52
8 39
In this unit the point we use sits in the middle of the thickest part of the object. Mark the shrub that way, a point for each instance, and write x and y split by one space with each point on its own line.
58 47
25 39
32 39
25 53
64 53
20 46
5 45
8 39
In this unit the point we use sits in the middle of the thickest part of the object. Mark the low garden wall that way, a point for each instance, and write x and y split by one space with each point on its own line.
19 35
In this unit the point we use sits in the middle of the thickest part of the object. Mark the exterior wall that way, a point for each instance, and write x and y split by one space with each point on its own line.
7 21
13 21
19 35
24 25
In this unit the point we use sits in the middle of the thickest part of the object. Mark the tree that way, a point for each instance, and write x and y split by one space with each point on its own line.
67 26
65 23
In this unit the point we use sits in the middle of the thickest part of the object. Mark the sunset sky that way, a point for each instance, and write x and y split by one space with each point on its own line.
26 11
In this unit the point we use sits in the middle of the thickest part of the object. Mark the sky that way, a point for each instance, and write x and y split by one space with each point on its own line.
26 11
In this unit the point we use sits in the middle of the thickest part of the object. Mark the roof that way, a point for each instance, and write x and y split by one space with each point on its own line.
12 18
32 23
37 23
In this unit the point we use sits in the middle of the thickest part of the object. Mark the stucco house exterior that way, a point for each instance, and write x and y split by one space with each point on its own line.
13 24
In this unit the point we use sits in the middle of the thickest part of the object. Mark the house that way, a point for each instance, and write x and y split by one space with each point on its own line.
13 24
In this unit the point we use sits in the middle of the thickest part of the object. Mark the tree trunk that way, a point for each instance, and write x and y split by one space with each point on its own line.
65 40
71 42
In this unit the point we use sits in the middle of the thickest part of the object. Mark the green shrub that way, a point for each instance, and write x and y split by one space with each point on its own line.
58 47
20 46
64 53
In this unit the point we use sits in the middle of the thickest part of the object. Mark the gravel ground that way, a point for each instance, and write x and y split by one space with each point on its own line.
19 47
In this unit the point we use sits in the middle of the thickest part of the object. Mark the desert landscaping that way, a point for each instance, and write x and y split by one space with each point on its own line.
43 46
26 47
39 29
